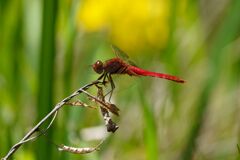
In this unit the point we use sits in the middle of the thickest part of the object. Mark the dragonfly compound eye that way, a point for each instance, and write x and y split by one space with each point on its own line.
98 67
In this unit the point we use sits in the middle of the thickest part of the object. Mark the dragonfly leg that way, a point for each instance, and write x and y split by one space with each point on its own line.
112 86
103 76
109 77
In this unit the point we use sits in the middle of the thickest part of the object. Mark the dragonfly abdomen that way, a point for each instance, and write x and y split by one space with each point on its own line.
143 72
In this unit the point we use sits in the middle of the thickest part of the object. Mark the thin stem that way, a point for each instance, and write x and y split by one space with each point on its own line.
55 109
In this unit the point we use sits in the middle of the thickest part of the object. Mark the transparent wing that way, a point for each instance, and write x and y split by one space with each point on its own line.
120 54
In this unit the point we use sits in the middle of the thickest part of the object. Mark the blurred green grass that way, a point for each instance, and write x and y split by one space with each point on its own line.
46 48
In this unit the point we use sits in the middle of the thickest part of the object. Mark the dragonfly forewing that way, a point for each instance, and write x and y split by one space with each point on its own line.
120 54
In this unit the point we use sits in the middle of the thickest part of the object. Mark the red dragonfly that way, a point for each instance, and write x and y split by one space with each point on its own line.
121 65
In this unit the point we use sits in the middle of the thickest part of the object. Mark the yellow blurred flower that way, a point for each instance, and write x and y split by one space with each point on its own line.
130 24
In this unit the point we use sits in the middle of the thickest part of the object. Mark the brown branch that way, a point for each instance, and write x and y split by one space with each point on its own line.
110 107
111 126
27 137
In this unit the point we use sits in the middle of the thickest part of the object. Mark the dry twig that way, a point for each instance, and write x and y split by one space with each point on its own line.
111 126
28 137
100 99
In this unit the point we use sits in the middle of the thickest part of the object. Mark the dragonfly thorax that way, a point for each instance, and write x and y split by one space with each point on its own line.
98 67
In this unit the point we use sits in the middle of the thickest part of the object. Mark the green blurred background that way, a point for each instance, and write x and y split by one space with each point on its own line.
46 48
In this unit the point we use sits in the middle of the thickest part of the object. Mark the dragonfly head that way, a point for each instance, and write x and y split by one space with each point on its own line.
98 67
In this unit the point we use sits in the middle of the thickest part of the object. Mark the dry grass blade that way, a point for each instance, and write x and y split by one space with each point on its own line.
80 104
76 150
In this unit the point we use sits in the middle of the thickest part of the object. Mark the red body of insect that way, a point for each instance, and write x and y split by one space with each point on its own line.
119 66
